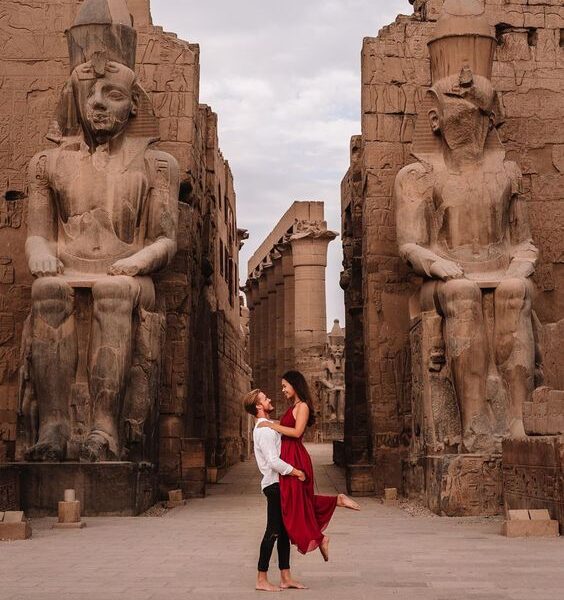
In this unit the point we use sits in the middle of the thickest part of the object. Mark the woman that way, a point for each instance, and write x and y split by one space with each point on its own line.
305 514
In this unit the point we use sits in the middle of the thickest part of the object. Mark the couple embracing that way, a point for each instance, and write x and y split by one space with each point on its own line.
294 513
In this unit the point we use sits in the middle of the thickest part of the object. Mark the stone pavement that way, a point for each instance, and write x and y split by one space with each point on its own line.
208 550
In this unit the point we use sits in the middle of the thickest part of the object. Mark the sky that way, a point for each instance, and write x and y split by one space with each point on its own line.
284 78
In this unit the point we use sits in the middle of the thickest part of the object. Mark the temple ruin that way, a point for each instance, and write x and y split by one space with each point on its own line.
285 293
452 236
177 395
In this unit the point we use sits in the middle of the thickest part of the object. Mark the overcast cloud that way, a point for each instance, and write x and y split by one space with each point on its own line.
284 78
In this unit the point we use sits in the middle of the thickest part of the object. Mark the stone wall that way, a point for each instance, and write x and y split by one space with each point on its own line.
196 290
529 74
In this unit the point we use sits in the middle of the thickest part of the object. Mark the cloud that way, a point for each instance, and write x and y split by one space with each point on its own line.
284 78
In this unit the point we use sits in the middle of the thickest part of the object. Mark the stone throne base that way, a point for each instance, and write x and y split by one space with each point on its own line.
533 474
104 489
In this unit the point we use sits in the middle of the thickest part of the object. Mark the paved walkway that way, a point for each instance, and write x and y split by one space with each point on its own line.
208 550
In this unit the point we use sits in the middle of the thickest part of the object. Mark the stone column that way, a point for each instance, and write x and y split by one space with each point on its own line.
309 253
289 307
278 333
270 332
251 291
261 330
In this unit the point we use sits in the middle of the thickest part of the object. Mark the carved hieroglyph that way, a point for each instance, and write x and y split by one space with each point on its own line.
102 219
462 225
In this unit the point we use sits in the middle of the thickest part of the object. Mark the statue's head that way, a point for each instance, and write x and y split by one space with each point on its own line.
463 110
106 96
462 51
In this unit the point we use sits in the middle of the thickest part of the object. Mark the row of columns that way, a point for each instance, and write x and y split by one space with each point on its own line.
287 309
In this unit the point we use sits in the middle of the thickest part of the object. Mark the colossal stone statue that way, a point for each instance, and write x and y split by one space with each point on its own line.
102 219
462 225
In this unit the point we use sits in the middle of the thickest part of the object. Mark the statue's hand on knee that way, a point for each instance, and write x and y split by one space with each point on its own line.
446 269
45 265
125 266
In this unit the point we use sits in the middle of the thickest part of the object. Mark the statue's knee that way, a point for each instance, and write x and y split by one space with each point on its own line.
121 289
459 295
52 298
513 294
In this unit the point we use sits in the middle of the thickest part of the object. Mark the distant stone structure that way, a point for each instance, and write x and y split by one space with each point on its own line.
437 382
331 386
201 367
286 299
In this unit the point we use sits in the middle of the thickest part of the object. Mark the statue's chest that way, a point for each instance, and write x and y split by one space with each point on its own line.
85 185
475 195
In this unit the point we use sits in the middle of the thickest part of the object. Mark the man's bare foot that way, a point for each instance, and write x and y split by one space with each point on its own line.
324 548
292 585
288 583
346 502
266 586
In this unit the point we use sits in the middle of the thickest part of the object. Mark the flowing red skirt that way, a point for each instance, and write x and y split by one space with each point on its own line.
305 514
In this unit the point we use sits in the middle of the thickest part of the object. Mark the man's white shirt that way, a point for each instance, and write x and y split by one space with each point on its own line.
267 444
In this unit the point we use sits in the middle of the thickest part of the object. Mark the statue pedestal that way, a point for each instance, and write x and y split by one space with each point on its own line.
464 485
533 474
122 489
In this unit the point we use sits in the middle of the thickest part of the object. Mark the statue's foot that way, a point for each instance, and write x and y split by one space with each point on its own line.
96 448
47 451
517 430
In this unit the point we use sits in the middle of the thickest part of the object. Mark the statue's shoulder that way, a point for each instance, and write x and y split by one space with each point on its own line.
515 175
162 164
414 177
40 165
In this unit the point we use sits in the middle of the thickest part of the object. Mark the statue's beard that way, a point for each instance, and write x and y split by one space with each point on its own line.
103 122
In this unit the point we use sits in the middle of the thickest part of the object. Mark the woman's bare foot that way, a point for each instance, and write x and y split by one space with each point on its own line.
347 502
324 548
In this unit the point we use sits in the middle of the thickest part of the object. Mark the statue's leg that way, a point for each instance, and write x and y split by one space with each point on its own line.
515 347
114 299
467 352
54 357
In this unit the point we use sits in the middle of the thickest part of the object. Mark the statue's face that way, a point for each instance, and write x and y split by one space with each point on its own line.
106 103
460 122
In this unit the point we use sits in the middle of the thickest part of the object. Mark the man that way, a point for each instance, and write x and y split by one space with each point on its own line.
267 453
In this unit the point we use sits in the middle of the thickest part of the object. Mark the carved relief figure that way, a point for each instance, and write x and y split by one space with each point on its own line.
102 219
462 225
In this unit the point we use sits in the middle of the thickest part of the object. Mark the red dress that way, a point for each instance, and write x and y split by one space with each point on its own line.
305 514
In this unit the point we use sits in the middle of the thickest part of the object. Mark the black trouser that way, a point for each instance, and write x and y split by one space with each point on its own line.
275 532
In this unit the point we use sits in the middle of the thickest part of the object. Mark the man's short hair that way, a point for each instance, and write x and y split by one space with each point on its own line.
250 402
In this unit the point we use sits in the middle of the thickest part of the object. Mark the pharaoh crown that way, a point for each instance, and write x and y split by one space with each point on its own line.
102 29
463 39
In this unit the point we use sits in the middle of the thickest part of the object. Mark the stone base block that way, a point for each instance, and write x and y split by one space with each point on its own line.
533 474
77 525
211 474
175 503
360 480
15 531
459 485
530 528
9 488
103 489
339 453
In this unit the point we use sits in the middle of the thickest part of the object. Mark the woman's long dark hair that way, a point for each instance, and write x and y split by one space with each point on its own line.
299 383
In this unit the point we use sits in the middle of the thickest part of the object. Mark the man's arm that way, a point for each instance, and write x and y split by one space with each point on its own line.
162 220
266 443
40 246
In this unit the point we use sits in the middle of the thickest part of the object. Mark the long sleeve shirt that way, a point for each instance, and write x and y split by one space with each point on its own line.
267 443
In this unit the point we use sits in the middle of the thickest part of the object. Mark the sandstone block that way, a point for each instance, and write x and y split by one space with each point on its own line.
530 528
15 531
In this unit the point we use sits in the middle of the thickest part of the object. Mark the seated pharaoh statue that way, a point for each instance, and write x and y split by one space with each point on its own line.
102 219
462 225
